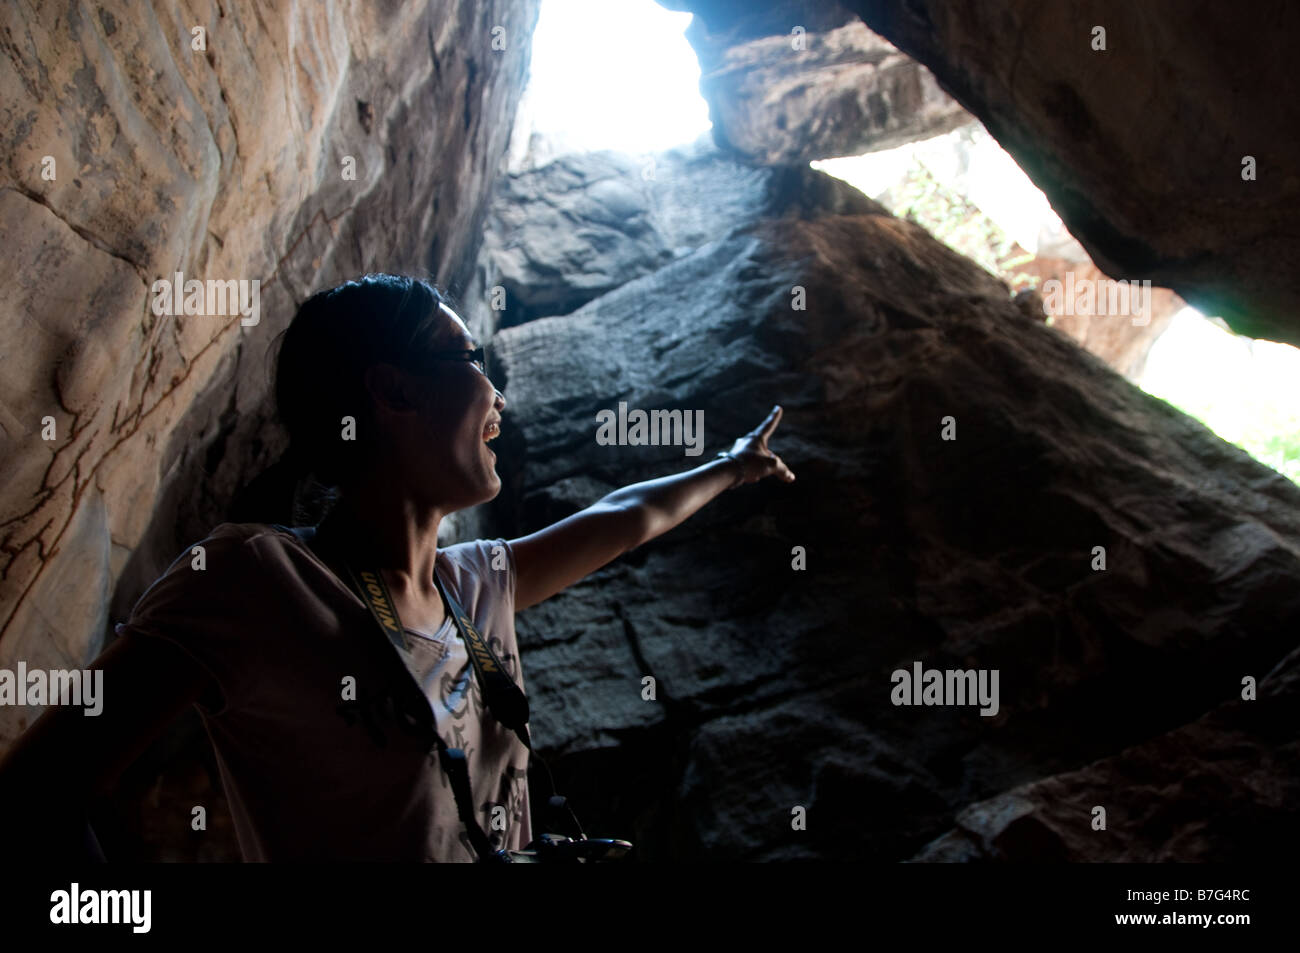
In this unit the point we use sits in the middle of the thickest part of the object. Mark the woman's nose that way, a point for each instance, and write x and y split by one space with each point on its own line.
500 402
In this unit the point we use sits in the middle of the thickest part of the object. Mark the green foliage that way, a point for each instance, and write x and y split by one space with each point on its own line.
1281 452
951 219
922 199
1268 433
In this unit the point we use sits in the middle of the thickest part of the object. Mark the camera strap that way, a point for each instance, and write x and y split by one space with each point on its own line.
505 699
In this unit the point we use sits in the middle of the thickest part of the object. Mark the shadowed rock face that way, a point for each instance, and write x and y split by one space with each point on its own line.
1139 147
975 553
1239 762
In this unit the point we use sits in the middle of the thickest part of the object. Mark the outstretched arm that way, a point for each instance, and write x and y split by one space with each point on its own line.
554 558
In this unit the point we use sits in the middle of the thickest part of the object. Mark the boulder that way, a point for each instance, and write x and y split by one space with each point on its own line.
1165 142
1118 564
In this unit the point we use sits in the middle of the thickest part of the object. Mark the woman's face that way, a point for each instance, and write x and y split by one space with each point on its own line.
452 465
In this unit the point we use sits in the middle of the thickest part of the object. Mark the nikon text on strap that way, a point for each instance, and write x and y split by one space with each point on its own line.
505 699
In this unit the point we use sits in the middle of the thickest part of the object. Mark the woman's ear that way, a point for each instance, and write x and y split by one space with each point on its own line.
391 389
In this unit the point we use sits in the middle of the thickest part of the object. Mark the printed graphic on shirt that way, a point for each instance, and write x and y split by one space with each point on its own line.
456 689
507 658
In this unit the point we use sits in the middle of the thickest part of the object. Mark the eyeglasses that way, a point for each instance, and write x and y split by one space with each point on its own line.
477 357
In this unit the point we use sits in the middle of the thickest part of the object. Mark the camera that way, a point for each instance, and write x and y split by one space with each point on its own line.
556 848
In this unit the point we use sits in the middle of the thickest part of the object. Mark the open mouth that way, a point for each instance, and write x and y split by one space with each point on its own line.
491 431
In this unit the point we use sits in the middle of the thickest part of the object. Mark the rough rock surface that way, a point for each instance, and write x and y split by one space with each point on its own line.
1243 758
774 684
1163 119
580 226
795 97
223 163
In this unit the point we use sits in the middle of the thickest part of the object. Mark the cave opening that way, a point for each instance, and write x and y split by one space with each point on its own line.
972 195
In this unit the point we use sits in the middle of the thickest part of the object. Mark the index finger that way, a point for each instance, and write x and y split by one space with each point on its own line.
769 424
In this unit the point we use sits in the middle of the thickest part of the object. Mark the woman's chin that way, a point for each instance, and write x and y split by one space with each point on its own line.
493 478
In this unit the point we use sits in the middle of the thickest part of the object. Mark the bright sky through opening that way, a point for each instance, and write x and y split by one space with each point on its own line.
615 74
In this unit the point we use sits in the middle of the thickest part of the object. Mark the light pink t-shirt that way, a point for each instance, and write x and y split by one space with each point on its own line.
310 774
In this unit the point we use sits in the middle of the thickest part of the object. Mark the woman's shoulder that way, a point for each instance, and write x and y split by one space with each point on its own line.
480 554
209 578
229 549
238 532
274 548
246 531
240 535
480 565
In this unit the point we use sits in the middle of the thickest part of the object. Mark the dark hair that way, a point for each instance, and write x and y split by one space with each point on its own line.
320 365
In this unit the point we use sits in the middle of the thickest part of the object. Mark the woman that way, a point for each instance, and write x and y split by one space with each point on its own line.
383 391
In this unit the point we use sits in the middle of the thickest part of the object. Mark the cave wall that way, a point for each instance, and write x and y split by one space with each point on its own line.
226 162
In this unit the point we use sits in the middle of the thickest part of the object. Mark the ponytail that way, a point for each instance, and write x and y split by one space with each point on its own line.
311 499
286 492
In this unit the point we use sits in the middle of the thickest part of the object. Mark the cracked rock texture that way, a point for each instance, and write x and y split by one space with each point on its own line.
223 163
790 98
1139 147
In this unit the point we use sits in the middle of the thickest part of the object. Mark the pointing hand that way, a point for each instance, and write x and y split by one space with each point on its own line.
755 459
